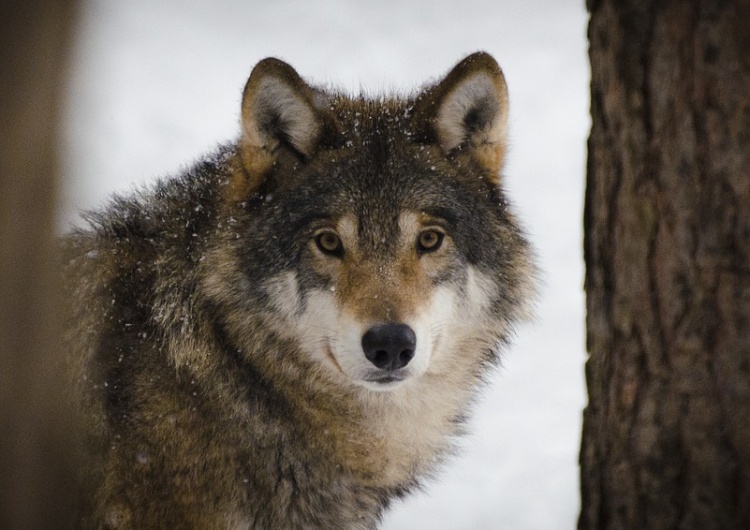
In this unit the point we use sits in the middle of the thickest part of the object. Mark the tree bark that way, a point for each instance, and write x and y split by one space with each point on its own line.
36 442
666 438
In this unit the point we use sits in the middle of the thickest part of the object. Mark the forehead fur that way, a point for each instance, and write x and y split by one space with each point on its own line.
362 119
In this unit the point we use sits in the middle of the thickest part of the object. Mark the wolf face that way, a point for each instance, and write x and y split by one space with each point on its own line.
386 244
377 307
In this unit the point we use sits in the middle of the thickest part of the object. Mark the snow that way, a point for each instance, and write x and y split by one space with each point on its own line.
157 84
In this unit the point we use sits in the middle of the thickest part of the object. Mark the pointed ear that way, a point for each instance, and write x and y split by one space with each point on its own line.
467 112
279 116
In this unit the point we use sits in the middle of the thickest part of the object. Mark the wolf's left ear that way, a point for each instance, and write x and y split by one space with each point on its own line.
279 116
467 112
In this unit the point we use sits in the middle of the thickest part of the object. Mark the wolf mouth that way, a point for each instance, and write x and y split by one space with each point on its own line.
378 380
386 379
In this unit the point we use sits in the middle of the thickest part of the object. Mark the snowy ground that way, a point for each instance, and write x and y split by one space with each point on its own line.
156 84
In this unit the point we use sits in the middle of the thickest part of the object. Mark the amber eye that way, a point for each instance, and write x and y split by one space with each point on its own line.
329 243
429 241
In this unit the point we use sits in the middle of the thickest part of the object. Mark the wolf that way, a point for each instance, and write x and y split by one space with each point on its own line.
290 333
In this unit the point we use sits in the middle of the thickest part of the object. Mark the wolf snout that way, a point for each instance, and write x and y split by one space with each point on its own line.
389 346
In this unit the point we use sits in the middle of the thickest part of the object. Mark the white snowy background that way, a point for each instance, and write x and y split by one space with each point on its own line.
158 83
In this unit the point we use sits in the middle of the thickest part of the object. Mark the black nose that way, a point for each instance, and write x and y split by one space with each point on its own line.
389 346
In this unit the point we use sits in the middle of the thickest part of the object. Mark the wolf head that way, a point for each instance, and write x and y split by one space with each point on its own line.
373 233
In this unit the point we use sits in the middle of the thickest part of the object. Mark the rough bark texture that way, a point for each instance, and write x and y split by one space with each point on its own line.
666 441
35 429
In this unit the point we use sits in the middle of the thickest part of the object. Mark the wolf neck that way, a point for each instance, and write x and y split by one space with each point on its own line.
418 423
389 439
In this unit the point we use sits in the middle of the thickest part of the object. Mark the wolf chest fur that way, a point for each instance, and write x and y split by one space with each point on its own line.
289 334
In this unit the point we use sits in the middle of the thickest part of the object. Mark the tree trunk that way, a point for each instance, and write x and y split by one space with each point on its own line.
36 443
666 438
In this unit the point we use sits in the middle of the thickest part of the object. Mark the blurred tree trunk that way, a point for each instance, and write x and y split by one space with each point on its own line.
666 441
36 480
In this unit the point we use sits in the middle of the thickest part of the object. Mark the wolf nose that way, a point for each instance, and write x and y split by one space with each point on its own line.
389 346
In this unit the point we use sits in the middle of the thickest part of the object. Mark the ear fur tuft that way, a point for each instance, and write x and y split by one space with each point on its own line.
278 112
467 112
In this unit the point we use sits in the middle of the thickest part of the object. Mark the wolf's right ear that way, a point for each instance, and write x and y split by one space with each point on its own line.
278 113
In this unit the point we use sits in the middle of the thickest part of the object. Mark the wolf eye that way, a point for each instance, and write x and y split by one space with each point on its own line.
329 243
429 241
